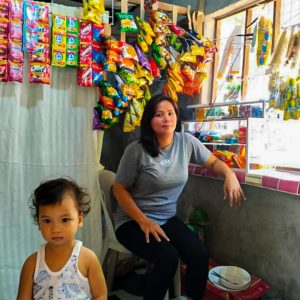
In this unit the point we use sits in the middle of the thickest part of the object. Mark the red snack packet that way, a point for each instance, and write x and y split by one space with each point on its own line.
154 68
85 31
85 76
85 54
15 71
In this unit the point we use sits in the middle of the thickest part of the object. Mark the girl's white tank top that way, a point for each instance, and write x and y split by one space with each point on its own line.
68 283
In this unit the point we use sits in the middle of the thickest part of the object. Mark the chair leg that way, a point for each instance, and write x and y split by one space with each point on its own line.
112 262
177 282
167 295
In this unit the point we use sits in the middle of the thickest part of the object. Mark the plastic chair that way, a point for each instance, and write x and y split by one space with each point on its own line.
111 248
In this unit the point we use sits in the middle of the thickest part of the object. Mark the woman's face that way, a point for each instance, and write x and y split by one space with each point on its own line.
164 120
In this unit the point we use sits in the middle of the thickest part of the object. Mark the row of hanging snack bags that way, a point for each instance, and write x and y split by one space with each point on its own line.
162 50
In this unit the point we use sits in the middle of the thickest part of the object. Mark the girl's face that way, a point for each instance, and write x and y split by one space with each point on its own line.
164 120
59 222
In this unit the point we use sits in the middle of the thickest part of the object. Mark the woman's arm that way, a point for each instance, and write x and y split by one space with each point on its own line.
129 206
95 274
26 279
232 189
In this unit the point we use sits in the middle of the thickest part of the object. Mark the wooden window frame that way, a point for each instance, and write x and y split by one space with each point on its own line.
212 31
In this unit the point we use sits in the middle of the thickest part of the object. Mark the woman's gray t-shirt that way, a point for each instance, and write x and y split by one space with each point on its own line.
155 183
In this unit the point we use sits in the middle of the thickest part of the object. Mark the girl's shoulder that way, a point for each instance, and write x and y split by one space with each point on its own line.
86 255
30 262
86 259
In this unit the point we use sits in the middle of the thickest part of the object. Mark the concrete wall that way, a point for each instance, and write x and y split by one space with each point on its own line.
261 236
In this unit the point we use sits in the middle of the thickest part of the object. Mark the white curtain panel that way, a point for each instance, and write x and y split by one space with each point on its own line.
45 132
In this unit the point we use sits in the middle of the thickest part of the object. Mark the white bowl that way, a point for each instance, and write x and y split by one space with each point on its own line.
234 274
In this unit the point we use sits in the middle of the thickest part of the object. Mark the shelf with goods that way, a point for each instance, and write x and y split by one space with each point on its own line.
226 110
223 129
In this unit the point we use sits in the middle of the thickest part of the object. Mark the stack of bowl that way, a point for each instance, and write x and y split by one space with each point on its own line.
230 278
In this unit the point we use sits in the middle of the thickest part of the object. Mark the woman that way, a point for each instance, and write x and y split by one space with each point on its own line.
150 178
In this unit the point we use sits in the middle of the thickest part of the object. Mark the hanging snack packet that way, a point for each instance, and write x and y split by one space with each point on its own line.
97 125
154 68
142 43
188 72
97 74
142 58
145 27
72 58
134 119
85 54
41 54
72 25
15 71
127 76
127 22
16 9
3 71
98 32
108 89
112 43
128 51
113 56
15 52
59 23
85 76
93 10
107 102
85 31
127 64
127 127
39 73
15 29
110 67
161 62
159 17
175 42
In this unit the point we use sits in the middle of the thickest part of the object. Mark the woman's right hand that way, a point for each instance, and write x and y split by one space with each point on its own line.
129 206
150 227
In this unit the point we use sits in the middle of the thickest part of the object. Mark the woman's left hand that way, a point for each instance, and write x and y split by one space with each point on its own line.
232 190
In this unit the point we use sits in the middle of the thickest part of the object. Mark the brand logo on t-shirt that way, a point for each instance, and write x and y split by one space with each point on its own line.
166 163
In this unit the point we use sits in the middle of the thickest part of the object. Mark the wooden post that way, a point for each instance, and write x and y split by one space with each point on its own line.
174 13
124 9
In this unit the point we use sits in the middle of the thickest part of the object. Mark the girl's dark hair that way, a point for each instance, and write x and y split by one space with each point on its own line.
148 138
52 192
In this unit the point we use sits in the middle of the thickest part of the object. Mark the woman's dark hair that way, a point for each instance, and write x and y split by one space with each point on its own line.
148 138
52 192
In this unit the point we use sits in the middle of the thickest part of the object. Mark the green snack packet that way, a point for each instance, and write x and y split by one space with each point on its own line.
72 42
72 25
127 22
72 58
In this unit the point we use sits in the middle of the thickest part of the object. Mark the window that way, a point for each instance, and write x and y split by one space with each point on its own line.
236 73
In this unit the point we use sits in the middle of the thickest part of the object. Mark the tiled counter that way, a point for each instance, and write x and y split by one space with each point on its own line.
280 181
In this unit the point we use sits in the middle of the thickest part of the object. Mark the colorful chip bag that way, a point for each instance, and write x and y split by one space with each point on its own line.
127 22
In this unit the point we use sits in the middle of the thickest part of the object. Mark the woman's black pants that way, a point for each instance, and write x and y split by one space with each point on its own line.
184 244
